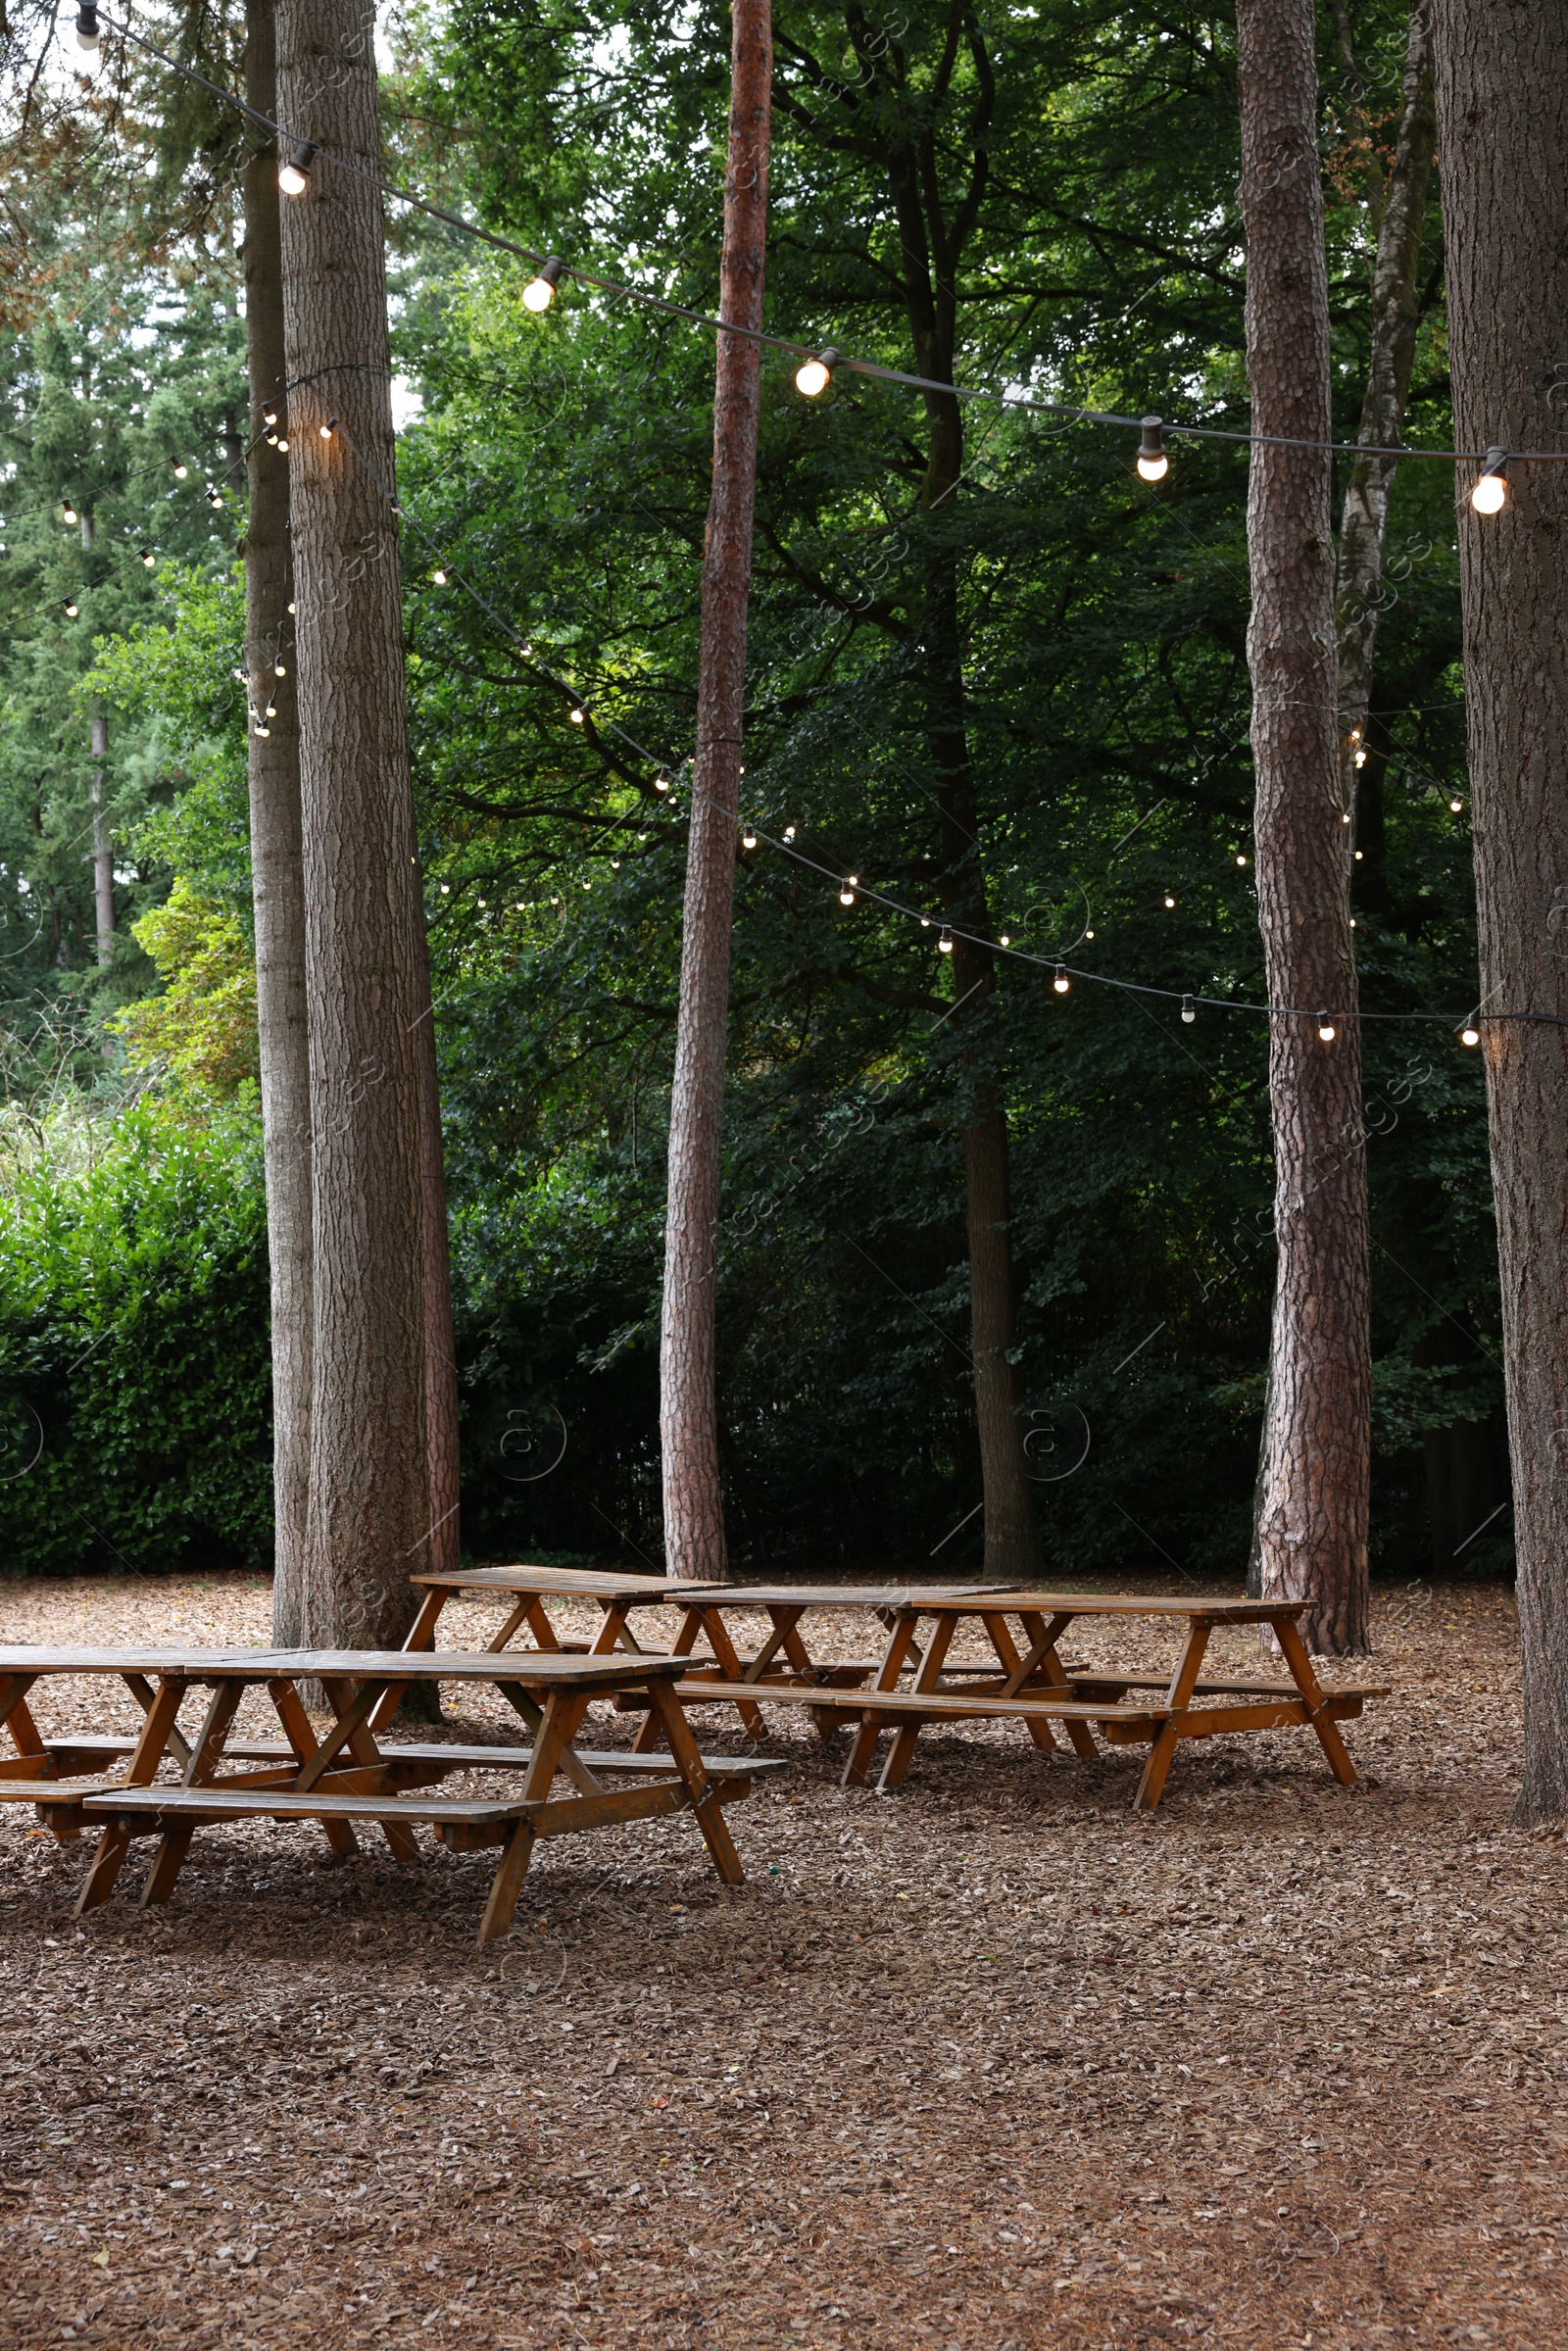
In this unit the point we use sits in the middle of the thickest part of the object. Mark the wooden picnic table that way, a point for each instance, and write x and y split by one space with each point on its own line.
783 1660
347 1775
1030 1683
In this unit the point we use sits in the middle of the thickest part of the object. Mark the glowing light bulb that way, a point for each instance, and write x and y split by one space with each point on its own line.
260 729
148 557
789 832
847 891
278 669
661 783
749 837
1088 934
814 375
1188 1008
1457 806
1060 982
293 608
1469 1034
68 514
70 607
1360 759
1240 860
271 710
327 429
268 417
580 715
1170 901
1004 940
944 941
1153 463
281 444
1491 493
179 467
1325 1028
1360 854
1345 818
294 174
439 577
215 497
540 292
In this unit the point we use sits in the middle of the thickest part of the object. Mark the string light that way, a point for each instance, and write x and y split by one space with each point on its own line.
1457 806
293 608
1153 461
215 497
260 729
179 467
294 174
661 783
1188 1010
814 376
327 429
847 890
945 942
68 514
580 715
1170 901
88 26
1470 1034
1060 983
70 607
270 417
789 832
1240 858
278 669
439 577
1004 940
1491 493
1325 1028
540 291
749 837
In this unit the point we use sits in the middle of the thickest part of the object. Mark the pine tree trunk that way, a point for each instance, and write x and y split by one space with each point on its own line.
1502 124
277 888
440 1345
694 1511
1314 1536
368 1516
103 855
1396 316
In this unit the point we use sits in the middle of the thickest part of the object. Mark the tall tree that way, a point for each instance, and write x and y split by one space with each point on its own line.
368 1512
1502 129
694 1513
1400 205
277 885
1313 1521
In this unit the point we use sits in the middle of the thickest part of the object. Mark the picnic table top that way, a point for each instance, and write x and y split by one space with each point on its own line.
598 1584
571 1669
1214 1606
831 1595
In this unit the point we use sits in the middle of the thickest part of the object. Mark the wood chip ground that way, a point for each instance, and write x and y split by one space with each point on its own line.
992 2064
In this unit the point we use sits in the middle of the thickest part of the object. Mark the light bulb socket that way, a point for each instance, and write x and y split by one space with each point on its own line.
294 174
944 941
215 498
70 607
1059 983
148 557
1153 459
67 512
1188 1008
540 290
814 375
749 837
1490 492
179 467
88 26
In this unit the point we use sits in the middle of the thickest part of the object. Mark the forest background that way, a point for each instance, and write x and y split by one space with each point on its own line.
561 465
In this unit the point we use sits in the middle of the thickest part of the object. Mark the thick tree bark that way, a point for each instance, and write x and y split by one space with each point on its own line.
277 888
1396 316
103 855
1313 1534
694 1512
369 1519
1502 124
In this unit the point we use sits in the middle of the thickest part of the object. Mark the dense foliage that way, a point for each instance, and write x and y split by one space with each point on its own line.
558 464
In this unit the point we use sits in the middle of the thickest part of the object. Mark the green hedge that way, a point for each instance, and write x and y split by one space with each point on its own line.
135 1408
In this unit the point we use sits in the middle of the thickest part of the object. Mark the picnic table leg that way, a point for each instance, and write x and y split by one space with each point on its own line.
17 1714
612 1630
302 1739
899 1642
723 1649
174 1843
1151 1785
360 1744
141 1689
1016 1671
1043 1658
1288 1632
507 1884
691 1624
705 1803
422 1635
902 1752
115 1841
786 1624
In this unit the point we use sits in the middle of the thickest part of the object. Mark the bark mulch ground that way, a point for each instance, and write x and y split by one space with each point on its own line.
987 2064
